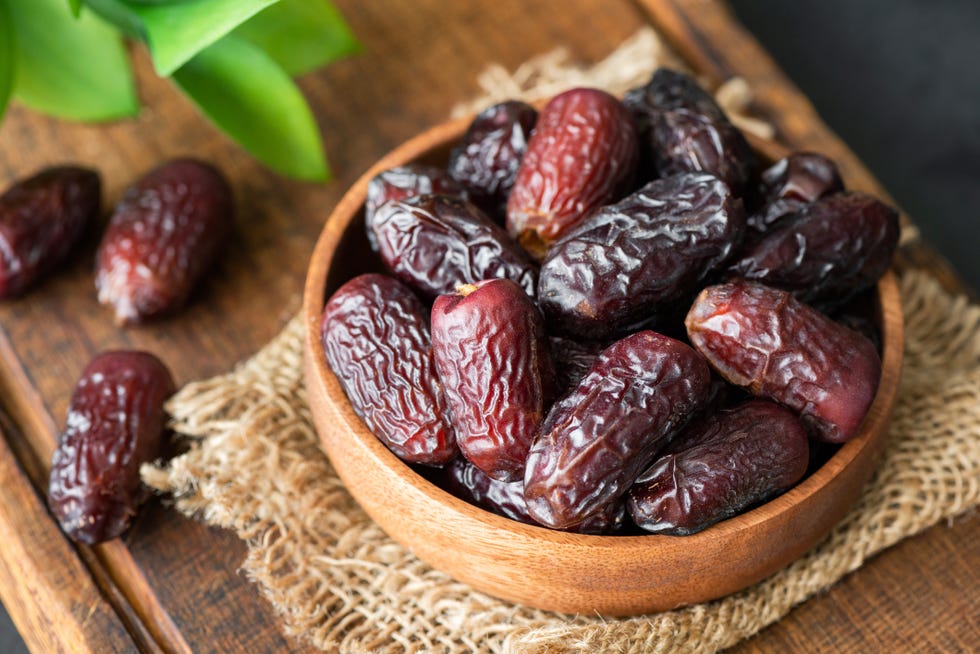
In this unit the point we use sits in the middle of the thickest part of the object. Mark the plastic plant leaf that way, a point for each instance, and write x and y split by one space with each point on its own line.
252 99
178 31
7 51
74 68
301 35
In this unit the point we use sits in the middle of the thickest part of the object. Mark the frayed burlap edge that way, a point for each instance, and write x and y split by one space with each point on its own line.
255 466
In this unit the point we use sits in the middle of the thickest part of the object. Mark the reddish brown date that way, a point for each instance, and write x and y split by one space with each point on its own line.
596 441
115 424
687 131
164 234
719 466
635 258
583 154
434 243
375 335
41 219
402 183
487 158
470 484
765 340
791 183
831 250
493 359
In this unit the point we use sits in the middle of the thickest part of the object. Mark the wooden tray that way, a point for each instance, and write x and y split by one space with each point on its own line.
173 585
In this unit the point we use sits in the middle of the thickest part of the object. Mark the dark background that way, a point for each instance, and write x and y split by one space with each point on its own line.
899 81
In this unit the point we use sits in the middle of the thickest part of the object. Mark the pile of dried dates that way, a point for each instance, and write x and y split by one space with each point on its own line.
605 317
163 235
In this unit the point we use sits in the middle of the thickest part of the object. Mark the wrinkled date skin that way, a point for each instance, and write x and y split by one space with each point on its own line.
434 243
779 348
41 219
719 466
687 131
115 424
375 335
632 259
582 155
831 250
791 183
402 183
493 359
469 483
597 440
163 236
487 159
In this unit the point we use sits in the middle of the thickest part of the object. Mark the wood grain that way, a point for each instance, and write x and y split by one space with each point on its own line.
419 59
46 588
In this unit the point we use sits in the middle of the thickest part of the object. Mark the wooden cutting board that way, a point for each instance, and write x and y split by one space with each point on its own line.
172 584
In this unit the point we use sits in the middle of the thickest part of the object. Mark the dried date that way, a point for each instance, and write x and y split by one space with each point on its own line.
115 424
487 158
790 184
162 237
470 484
634 259
779 348
493 360
686 130
582 155
405 182
719 466
434 243
41 219
831 250
375 335
596 440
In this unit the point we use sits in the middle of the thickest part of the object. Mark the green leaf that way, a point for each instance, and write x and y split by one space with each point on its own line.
301 35
70 68
252 99
176 32
75 6
7 50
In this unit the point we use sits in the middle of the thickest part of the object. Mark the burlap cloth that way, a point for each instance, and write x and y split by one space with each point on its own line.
255 466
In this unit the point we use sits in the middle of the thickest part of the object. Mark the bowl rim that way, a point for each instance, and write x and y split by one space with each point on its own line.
867 444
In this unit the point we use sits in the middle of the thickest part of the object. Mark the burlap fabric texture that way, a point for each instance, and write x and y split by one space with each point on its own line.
255 466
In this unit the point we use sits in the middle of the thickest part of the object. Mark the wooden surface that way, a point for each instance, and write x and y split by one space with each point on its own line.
173 585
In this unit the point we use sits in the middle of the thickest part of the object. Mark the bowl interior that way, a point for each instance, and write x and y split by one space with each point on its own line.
609 575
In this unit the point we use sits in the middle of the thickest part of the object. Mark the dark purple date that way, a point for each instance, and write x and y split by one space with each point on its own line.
162 237
41 219
718 466
596 441
686 130
487 158
402 183
375 335
829 251
115 424
791 183
779 348
434 243
493 359
633 259
469 483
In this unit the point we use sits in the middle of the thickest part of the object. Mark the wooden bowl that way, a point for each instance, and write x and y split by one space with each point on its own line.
534 566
